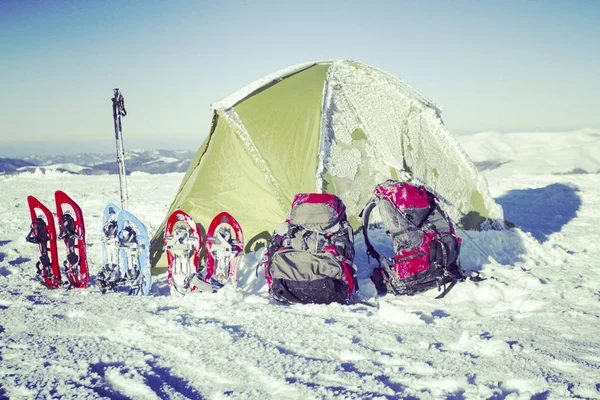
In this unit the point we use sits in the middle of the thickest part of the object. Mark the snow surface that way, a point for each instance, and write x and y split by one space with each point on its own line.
558 153
531 330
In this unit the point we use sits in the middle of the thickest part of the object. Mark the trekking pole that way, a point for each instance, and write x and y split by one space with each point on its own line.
118 112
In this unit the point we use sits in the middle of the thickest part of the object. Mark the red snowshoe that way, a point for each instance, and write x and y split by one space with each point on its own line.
224 246
43 233
72 232
183 243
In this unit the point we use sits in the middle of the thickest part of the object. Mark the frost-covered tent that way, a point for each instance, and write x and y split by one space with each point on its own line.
332 126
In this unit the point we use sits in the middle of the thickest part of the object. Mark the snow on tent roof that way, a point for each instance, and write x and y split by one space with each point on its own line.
326 126
247 90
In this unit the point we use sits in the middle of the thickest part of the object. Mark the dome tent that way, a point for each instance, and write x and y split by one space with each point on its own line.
329 126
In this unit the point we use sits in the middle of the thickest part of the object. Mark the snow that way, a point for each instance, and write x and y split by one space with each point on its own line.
244 92
530 330
401 124
557 153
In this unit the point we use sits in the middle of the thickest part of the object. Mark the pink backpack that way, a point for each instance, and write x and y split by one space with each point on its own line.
425 243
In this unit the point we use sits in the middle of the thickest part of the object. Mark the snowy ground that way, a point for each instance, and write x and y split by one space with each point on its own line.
532 330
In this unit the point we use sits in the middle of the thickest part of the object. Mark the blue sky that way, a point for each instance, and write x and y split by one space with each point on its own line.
492 65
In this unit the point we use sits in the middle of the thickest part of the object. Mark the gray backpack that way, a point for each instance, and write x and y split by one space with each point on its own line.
309 257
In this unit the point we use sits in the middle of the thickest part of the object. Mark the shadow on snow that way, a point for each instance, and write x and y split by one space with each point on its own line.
541 211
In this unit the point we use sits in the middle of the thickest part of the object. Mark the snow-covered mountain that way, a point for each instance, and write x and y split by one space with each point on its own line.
529 331
149 161
542 152
10 165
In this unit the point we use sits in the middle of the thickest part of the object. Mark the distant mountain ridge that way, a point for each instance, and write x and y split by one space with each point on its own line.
10 165
149 161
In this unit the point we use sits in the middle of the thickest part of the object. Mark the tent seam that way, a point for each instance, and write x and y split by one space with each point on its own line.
244 136
324 137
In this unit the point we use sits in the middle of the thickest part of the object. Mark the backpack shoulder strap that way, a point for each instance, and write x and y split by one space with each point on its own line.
433 205
365 214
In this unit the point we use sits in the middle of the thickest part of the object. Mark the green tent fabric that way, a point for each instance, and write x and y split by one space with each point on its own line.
330 126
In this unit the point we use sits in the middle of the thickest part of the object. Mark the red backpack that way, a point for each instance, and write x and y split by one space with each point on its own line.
425 243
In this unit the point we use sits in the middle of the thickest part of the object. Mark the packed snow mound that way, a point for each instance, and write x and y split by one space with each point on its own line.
536 152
